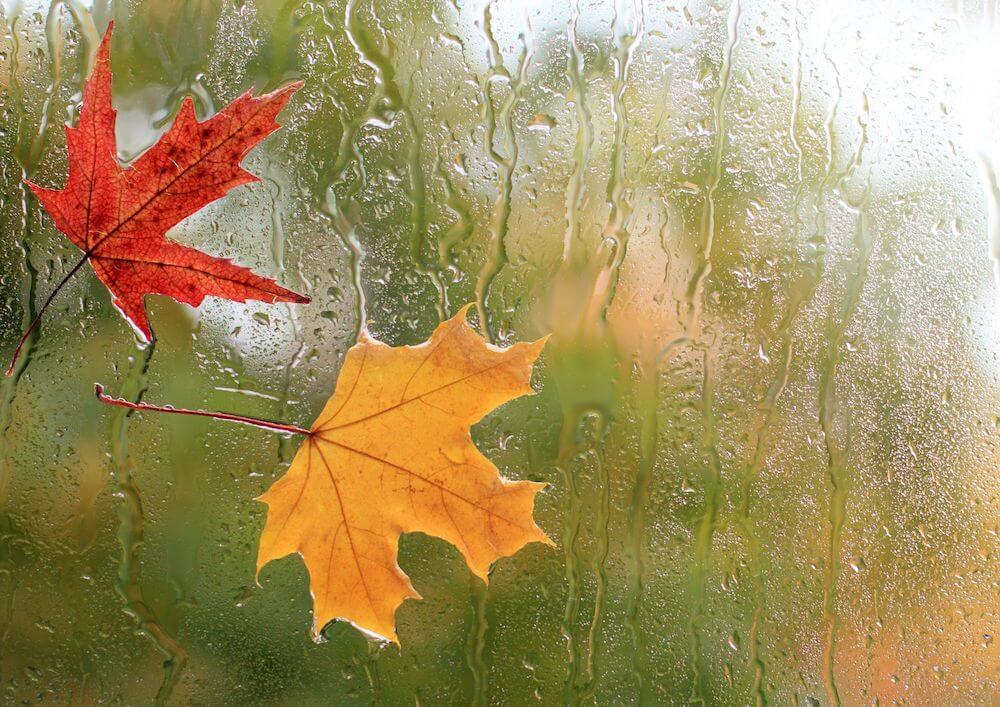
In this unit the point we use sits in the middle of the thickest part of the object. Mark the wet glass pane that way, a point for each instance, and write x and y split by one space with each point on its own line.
765 238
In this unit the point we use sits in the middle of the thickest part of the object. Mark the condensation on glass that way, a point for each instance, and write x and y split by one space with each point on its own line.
765 236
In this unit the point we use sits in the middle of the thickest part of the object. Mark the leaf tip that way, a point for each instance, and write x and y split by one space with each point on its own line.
279 95
104 49
535 347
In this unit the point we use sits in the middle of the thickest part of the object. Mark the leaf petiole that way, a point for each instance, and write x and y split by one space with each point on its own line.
252 421
38 317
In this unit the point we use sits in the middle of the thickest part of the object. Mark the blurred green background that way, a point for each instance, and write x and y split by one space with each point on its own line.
761 235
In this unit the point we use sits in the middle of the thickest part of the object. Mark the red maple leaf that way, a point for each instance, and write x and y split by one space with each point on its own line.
118 216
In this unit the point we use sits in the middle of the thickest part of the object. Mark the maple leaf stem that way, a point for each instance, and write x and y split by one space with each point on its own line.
253 421
38 317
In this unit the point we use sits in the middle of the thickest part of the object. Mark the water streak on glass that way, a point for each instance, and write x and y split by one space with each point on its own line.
695 296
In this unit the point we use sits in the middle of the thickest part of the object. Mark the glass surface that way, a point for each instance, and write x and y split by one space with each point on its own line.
765 236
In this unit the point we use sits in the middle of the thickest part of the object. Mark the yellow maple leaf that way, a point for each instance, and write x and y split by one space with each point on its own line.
391 453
